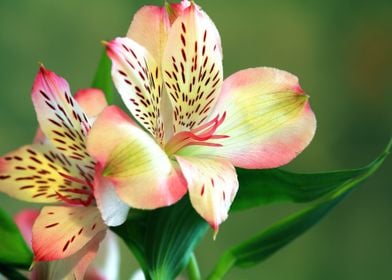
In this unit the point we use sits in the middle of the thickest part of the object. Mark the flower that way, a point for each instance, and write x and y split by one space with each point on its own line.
193 128
58 169
105 266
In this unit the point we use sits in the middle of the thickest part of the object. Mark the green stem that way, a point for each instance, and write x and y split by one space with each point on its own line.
226 262
193 268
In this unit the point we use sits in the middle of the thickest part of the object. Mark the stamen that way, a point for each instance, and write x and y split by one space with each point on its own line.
197 136
76 201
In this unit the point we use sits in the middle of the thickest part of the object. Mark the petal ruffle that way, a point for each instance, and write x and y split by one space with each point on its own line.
60 232
138 79
60 117
268 119
142 174
192 68
37 173
212 185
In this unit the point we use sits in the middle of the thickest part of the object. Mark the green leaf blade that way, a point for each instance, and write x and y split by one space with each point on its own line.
11 273
263 245
175 231
164 239
262 187
14 251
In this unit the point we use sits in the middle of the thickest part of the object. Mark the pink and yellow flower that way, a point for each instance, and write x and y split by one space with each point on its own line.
192 127
105 265
57 169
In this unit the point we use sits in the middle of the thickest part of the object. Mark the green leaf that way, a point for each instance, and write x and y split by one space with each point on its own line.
263 245
163 240
14 251
103 79
261 187
172 235
133 233
11 273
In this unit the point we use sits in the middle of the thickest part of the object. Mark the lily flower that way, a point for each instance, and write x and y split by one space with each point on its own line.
58 170
192 128
105 266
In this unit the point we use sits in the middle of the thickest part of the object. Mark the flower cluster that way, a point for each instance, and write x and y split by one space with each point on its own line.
187 130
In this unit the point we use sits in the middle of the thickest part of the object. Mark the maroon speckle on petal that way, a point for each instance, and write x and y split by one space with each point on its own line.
51 225
202 190
66 246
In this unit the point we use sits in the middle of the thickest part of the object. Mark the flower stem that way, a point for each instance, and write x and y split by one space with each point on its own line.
193 268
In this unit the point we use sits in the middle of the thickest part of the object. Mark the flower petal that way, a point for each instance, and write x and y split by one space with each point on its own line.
61 231
73 267
141 172
212 185
138 80
149 28
113 210
25 220
37 173
40 137
192 67
60 117
107 263
91 100
268 119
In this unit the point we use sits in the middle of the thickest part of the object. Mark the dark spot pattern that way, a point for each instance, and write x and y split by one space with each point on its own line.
42 174
66 125
140 85
68 226
192 72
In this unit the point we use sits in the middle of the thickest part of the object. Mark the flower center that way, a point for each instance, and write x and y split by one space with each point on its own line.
199 136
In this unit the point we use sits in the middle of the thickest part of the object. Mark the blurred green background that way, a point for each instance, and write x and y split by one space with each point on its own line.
342 52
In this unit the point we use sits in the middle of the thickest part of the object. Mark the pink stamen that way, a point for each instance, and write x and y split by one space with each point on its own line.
76 201
197 136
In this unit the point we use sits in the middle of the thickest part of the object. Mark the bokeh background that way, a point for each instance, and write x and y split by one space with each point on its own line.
340 49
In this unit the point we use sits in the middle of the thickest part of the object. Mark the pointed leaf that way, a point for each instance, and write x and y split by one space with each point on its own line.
133 233
263 245
14 251
11 273
172 235
261 187
163 240
103 78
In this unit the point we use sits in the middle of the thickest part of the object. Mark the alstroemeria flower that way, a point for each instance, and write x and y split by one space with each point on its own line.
58 170
106 265
194 128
